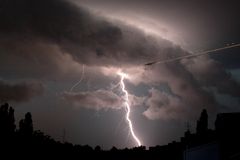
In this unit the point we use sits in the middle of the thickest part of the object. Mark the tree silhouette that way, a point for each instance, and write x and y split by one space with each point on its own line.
7 121
97 148
26 126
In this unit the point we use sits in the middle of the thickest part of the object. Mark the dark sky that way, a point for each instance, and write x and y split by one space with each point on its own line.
46 44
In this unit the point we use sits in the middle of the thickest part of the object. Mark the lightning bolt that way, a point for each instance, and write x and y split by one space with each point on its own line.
76 84
128 109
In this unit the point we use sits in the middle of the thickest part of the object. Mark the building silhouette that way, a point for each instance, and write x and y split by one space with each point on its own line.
228 134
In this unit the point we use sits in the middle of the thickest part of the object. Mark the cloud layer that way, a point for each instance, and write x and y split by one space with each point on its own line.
99 99
19 92
49 39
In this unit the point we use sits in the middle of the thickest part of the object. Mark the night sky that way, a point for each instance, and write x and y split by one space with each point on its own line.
47 46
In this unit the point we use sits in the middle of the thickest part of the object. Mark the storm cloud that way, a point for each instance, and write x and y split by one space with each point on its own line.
55 38
100 99
19 92
89 39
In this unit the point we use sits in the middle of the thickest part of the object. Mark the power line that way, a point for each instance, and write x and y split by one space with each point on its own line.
193 55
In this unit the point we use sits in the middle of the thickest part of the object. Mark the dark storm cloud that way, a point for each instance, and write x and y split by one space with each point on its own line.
210 73
57 22
88 38
34 59
53 37
19 92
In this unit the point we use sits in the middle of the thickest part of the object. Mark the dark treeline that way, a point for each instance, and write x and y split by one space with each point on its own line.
219 144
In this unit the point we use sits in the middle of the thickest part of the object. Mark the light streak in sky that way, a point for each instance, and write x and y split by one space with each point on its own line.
128 109
193 55
76 84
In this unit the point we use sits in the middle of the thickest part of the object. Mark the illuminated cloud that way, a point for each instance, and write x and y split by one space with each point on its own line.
166 106
163 106
99 99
